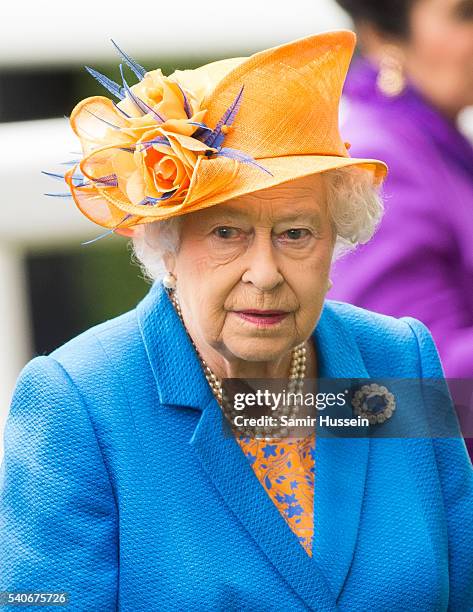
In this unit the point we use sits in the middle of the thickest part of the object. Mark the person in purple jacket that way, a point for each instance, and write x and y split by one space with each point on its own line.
403 95
402 98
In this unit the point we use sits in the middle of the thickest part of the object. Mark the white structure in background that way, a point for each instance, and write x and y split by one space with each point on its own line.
73 33
30 221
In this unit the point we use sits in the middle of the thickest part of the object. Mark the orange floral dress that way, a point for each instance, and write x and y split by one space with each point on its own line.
285 468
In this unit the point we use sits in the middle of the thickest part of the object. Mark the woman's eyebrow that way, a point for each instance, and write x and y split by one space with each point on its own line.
313 218
294 215
229 214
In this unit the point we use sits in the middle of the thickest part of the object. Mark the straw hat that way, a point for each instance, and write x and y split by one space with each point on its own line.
177 144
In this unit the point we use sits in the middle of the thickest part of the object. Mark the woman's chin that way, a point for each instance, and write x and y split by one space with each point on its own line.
254 342
259 350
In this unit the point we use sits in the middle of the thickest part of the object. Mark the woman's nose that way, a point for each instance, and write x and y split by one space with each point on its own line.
262 268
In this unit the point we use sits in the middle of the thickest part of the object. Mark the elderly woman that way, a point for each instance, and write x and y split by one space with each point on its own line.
121 487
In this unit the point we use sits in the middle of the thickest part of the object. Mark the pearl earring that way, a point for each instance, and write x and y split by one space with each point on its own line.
169 281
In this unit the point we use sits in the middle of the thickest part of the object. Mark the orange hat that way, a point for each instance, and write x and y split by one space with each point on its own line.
177 144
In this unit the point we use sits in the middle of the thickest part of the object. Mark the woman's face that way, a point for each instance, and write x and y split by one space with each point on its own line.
440 52
252 273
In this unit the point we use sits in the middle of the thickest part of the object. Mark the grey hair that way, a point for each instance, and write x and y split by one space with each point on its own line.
354 204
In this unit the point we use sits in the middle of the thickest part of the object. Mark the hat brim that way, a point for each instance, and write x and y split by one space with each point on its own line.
219 179
209 186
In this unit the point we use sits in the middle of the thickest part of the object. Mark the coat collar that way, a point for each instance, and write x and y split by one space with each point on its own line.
341 464
170 352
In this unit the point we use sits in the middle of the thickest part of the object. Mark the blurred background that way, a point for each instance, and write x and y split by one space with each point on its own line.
51 286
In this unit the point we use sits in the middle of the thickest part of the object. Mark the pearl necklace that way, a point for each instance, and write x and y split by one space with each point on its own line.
296 383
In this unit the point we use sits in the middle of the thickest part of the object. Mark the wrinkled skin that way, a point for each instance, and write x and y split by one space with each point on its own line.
270 250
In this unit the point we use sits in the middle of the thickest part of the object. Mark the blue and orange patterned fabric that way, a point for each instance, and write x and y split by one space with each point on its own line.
285 468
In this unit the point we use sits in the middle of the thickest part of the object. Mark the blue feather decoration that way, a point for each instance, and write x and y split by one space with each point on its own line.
201 125
187 106
144 108
159 140
241 157
61 176
113 88
166 196
120 110
109 232
229 117
98 237
112 125
110 180
216 138
77 179
152 201
58 195
73 162
202 131
137 69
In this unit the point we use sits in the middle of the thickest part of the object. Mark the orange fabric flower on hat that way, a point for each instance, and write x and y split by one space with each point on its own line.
144 150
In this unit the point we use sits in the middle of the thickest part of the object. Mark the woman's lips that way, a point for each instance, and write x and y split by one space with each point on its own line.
262 318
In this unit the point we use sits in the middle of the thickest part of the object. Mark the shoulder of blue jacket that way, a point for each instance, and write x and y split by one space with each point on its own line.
390 346
102 350
361 320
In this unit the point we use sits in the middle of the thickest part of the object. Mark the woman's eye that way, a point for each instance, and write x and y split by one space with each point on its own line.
295 234
226 233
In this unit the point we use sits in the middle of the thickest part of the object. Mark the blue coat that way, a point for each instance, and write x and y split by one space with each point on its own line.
120 488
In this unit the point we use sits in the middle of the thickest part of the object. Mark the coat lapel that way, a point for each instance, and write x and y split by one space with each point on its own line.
340 464
234 478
